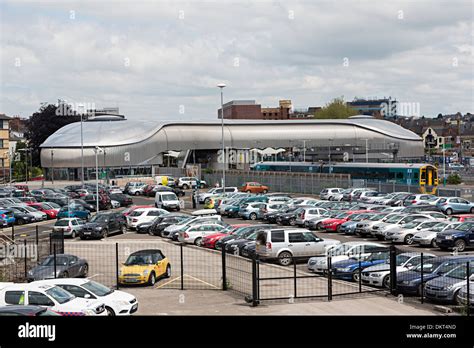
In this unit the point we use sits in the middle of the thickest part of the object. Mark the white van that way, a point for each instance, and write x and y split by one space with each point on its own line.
167 200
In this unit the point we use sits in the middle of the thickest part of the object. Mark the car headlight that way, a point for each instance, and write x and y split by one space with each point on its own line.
375 275
346 269
406 282
145 272
449 237
98 228
450 287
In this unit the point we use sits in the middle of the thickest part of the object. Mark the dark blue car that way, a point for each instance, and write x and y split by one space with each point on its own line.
349 269
459 238
410 282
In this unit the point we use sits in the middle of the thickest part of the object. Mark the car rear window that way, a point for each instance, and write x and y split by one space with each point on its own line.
15 297
278 236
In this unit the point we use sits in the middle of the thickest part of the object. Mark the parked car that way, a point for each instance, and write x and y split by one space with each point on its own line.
38 215
66 266
116 302
90 207
341 252
285 244
74 210
52 297
144 267
142 215
417 199
460 238
7 217
238 234
167 200
71 227
379 275
405 233
26 311
102 225
50 212
329 192
410 282
189 221
187 182
454 205
194 234
136 189
446 288
251 211
349 227
428 237
351 268
334 224
20 217
124 200
464 298
160 223
306 214
215 191
160 188
254 187
210 241
104 201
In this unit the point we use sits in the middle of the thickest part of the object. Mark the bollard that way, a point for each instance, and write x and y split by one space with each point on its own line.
37 235
182 265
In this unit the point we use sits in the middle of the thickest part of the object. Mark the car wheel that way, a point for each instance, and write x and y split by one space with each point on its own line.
338 228
284 258
64 275
265 191
449 211
472 210
85 271
248 191
318 226
460 245
433 243
185 186
456 298
292 222
110 311
253 216
386 282
306 224
168 271
73 235
21 221
408 239
355 275
152 279
178 209
198 241
105 233
121 231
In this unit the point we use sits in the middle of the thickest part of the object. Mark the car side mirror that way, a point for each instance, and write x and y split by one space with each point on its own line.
87 296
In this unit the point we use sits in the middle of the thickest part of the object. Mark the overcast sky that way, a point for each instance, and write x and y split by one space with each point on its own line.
163 59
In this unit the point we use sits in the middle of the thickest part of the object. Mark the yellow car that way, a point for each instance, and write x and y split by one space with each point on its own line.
144 267
209 203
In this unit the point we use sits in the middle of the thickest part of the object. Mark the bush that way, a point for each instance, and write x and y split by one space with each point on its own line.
454 179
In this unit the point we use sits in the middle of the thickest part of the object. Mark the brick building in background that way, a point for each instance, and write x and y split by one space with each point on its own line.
4 145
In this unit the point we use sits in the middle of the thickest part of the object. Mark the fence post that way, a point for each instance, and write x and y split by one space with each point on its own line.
295 295
393 269
116 266
54 253
181 258
224 275
422 286
329 263
62 242
360 274
26 259
50 243
468 271
254 282
37 235
13 233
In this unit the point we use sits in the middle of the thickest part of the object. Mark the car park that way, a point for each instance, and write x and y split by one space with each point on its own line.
116 302
285 244
49 296
379 275
102 225
70 227
144 267
65 266
459 238
453 205
445 288
210 241
380 229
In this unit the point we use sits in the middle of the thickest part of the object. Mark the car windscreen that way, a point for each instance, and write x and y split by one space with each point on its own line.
49 261
63 222
100 218
139 260
465 226
400 259
168 197
97 288
60 295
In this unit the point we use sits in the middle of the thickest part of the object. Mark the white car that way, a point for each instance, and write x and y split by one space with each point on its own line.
379 275
50 296
114 189
136 190
142 215
310 213
404 233
168 231
381 229
302 201
329 192
428 237
116 302
115 204
215 191
343 252
187 182
167 200
193 234
39 215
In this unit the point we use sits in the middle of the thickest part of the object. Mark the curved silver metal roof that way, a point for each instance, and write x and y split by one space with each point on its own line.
131 142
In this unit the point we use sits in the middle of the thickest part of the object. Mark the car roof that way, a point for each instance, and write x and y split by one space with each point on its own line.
146 252
75 281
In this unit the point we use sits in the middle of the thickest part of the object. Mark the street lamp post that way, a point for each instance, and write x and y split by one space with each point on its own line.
82 155
97 150
26 149
444 166
222 86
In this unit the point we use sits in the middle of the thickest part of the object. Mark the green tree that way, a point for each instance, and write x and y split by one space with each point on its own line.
336 109
454 179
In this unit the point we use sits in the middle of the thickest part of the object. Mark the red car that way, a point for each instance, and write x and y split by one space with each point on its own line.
462 218
45 208
210 241
335 223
